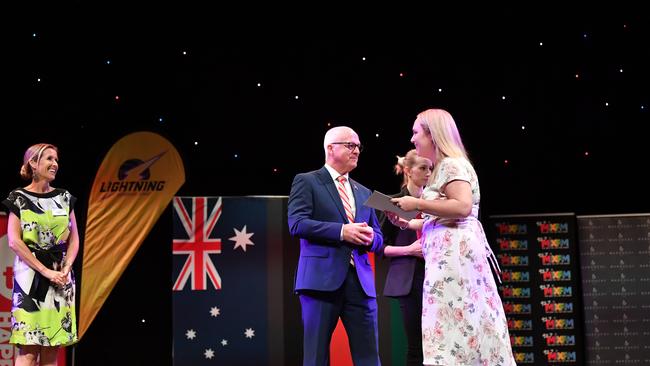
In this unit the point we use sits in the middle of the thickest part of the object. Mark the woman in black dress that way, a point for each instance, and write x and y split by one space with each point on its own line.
402 246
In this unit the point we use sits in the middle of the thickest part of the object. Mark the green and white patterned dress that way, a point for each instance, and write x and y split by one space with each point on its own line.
42 314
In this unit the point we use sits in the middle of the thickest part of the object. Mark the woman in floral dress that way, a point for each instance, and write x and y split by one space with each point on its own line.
42 231
463 321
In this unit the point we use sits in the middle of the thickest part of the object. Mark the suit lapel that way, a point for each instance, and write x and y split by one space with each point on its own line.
357 200
327 181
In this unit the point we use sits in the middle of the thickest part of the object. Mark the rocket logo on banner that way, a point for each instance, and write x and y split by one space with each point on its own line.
137 179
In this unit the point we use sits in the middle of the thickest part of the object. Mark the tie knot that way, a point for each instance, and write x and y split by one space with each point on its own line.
341 179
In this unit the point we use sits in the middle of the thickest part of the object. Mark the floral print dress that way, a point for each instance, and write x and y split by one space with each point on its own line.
463 321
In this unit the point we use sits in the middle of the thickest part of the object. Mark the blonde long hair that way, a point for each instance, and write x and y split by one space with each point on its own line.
444 133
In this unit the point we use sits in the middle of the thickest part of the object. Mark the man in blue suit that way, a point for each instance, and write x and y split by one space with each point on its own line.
334 278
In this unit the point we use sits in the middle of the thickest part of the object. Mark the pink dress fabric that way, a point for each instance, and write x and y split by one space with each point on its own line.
463 320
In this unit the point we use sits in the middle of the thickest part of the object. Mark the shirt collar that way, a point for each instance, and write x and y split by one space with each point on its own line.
335 174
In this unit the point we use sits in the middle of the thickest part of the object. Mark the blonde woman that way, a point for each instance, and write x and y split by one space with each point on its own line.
463 321
42 231
406 267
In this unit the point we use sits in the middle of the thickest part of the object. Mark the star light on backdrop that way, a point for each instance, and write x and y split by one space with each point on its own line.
208 95
261 106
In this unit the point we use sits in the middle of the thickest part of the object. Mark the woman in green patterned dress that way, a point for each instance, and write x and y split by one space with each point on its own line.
42 230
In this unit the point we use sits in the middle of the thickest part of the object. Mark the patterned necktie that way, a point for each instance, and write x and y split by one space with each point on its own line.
340 186
344 197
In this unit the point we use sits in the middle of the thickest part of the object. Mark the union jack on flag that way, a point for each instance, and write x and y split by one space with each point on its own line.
198 246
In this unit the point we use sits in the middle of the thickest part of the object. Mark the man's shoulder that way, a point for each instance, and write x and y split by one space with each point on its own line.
312 173
308 176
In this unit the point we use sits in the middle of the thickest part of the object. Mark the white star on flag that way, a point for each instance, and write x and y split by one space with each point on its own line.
224 342
214 311
190 334
242 238
209 353
250 333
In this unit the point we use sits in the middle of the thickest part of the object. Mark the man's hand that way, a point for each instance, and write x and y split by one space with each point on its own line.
358 233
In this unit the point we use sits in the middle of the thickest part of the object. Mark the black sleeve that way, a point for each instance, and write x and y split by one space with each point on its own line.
9 203
381 217
73 200
388 230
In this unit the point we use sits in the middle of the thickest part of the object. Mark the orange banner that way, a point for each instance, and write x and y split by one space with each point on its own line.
137 179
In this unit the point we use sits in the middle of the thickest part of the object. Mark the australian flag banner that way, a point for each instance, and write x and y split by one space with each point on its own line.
229 286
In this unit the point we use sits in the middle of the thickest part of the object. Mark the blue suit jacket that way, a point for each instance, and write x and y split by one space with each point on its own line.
316 216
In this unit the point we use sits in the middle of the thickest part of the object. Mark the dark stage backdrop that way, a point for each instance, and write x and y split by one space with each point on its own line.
615 262
541 289
134 326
